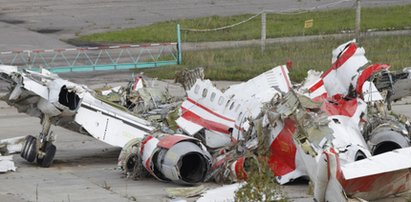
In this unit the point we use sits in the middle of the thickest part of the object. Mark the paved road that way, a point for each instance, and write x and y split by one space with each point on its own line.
67 18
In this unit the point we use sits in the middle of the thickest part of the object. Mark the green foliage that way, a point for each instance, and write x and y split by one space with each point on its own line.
260 187
278 25
246 62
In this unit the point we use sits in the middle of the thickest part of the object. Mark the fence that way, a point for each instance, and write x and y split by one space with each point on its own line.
96 58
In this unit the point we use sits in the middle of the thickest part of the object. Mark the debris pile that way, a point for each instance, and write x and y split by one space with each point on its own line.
335 129
321 129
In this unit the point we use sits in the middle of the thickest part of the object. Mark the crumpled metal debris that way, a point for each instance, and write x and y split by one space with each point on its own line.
7 147
187 78
11 145
139 99
7 164
186 192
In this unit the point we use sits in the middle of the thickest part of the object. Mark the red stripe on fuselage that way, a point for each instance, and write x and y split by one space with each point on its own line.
211 125
208 110
342 59
316 86
286 78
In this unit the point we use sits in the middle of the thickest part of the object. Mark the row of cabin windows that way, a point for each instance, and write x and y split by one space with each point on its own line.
212 98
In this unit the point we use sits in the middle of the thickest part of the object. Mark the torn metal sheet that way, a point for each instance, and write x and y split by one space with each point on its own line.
140 99
186 192
322 120
72 106
223 193
335 129
187 78
11 145
7 164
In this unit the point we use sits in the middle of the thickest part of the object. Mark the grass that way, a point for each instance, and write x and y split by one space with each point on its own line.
278 25
244 63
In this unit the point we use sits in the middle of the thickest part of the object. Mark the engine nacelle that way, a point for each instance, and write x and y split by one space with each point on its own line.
386 135
177 158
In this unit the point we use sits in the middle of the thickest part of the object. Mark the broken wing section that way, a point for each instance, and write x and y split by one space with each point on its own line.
378 176
109 124
71 106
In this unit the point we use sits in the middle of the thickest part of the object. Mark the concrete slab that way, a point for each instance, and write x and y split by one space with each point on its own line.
13 37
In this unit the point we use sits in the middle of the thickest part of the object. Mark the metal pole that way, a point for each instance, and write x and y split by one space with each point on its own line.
179 56
263 30
358 20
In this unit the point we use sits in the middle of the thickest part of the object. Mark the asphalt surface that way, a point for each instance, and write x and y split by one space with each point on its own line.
84 168
21 21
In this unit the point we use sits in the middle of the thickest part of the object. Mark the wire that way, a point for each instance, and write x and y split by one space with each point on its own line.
286 12
225 27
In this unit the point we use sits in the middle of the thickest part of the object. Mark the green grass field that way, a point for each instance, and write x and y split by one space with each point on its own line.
278 25
246 62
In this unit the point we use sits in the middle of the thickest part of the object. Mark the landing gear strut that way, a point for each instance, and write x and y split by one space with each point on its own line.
40 148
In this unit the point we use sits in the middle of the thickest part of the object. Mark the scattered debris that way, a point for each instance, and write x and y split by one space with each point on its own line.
223 193
7 147
59 102
7 164
336 128
185 192
187 77
11 145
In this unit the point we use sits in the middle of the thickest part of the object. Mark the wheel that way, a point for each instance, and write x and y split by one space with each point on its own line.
26 146
50 151
23 153
29 151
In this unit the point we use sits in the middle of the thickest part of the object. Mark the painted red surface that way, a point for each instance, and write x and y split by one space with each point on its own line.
285 77
338 106
209 110
239 169
378 186
366 73
352 47
170 140
316 86
372 186
211 125
145 140
283 150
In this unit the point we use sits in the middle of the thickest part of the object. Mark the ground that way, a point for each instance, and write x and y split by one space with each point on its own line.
40 24
84 168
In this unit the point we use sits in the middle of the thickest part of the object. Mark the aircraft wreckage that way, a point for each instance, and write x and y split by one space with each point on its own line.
336 128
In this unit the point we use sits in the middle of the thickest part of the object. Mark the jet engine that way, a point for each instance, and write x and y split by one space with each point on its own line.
178 158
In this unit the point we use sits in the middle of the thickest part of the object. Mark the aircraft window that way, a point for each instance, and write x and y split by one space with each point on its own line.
221 100
205 91
239 116
196 89
226 104
232 105
212 96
